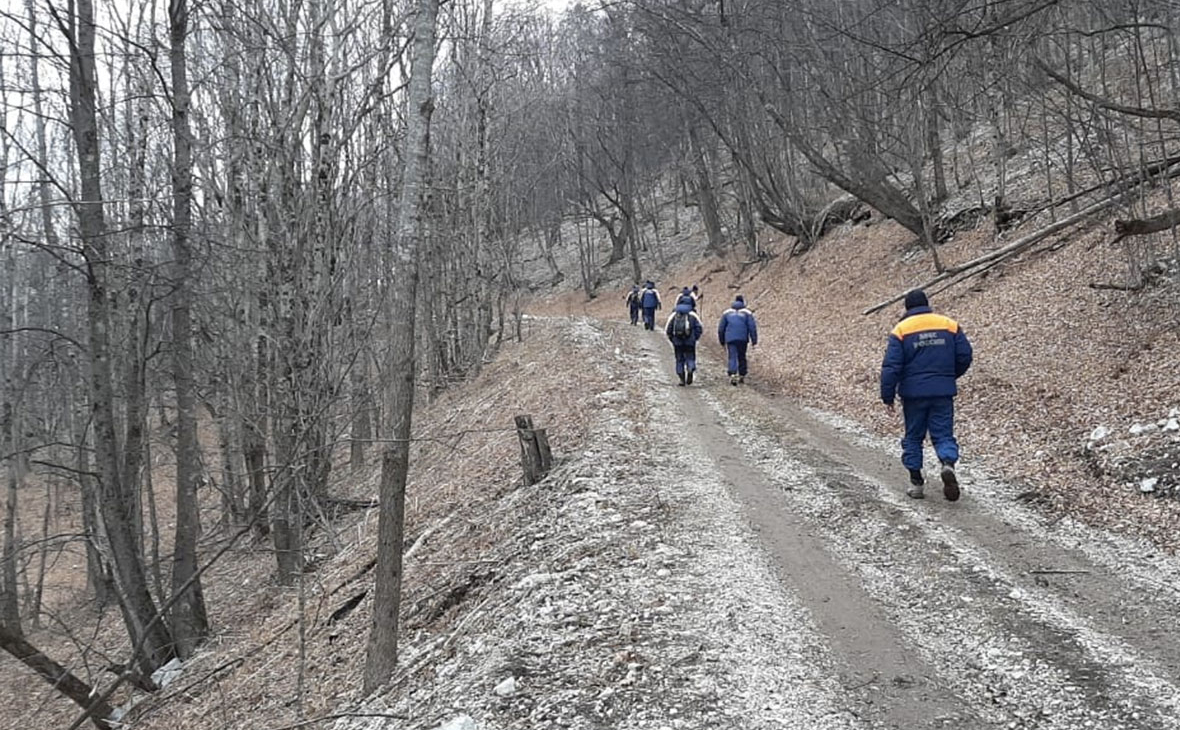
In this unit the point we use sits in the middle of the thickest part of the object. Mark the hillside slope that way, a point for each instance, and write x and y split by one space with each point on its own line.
1055 358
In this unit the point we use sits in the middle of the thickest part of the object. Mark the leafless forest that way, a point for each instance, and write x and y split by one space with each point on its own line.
240 240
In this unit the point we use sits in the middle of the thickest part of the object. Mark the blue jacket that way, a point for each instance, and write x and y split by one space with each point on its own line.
686 297
927 352
737 325
698 328
650 299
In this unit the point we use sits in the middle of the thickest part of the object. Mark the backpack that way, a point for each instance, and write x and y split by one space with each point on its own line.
681 326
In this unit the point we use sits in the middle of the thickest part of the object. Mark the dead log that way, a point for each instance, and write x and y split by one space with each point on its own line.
1141 227
1013 248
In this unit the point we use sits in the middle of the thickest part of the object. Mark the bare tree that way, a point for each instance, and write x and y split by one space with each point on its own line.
190 624
381 651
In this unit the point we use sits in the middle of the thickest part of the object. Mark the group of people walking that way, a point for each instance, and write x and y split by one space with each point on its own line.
737 329
925 356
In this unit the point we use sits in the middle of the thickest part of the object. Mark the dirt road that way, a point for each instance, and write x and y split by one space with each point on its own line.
980 613
715 557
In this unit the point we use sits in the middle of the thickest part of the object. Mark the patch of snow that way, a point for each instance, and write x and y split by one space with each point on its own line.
507 688
462 722
536 579
166 674
1099 433
1148 485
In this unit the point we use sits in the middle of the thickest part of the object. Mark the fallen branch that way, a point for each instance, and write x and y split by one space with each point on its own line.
1142 227
1139 176
1118 287
1013 248
340 716
1058 571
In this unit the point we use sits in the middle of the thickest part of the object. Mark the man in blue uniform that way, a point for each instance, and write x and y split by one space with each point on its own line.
737 330
927 353
650 300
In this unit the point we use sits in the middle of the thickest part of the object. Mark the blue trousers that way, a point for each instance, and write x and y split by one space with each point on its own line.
737 357
634 315
649 318
686 357
935 416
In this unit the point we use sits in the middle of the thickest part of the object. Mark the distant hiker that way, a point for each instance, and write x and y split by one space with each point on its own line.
927 353
686 297
650 301
735 331
684 328
634 304
697 295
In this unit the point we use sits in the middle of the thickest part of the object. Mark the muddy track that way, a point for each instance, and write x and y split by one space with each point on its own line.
977 614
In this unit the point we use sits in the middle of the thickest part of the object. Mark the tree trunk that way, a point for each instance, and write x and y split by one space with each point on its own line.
934 145
190 624
58 677
381 651
706 198
254 428
117 503
362 428
9 599
228 446
96 575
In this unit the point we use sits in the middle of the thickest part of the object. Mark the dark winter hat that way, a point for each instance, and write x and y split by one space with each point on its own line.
740 298
685 291
916 298
694 287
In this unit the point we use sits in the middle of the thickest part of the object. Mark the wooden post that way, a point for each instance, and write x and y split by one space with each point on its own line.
535 456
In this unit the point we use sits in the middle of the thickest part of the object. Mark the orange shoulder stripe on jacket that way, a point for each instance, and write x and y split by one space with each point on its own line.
925 322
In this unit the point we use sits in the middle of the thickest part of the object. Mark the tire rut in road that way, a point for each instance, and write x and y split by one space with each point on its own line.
1030 660
885 683
1126 606
946 597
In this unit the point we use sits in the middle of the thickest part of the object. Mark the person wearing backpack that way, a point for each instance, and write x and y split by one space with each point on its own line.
684 328
737 330
633 303
686 297
650 301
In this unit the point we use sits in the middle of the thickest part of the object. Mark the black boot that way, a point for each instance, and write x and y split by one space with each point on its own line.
682 379
950 481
